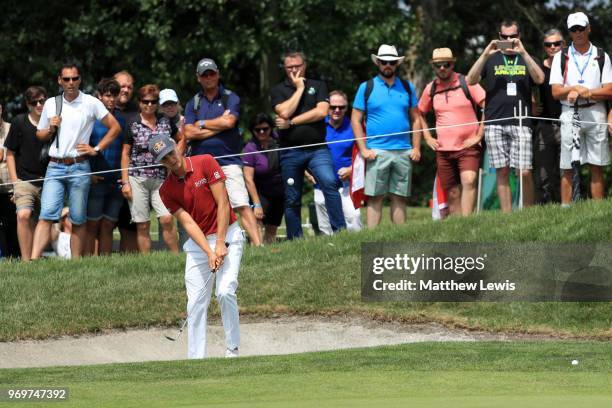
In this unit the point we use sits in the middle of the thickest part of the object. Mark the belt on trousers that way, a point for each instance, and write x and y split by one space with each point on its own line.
586 105
69 160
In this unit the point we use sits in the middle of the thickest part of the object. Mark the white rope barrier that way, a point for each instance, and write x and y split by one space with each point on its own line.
280 149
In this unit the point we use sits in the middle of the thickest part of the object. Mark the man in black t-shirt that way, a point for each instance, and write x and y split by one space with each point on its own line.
301 105
23 160
509 72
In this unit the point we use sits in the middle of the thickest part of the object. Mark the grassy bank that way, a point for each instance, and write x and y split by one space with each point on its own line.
425 375
313 276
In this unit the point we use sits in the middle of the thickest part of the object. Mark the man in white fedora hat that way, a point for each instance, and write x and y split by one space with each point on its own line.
389 105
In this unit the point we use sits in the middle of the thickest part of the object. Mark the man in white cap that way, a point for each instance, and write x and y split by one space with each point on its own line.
457 148
170 107
509 74
389 105
581 78
194 192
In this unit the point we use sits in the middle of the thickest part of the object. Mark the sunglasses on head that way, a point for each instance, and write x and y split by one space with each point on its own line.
149 101
337 107
383 62
440 65
71 79
261 129
548 44
508 36
577 29
37 102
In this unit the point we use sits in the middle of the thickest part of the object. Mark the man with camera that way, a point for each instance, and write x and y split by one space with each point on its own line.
509 73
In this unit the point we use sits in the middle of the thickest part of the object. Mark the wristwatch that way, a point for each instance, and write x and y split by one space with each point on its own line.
97 149
202 124
291 123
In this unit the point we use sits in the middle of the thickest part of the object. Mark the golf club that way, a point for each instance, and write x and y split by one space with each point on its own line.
178 334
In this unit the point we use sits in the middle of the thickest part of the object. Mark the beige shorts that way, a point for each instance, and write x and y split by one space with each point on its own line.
27 196
234 184
145 195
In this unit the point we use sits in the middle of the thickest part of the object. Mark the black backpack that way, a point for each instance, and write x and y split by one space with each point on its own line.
370 88
466 91
601 59
197 100
44 151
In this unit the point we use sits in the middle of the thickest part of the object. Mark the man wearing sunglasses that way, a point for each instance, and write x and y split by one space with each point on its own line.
582 86
547 140
211 127
301 105
389 106
509 73
457 148
68 170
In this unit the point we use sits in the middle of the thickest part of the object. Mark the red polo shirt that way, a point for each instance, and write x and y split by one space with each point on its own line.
192 193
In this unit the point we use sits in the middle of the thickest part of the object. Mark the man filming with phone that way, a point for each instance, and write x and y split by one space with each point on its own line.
509 73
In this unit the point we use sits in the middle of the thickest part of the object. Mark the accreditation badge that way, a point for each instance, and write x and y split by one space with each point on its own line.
511 89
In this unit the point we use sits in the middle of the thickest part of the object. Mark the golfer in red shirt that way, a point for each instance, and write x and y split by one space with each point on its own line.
194 192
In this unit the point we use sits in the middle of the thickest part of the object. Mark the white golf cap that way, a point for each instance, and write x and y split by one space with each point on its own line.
577 19
386 53
167 95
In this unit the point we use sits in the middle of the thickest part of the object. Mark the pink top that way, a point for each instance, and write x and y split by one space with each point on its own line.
452 108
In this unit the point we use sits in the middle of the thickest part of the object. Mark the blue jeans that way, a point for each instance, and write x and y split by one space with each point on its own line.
318 161
52 198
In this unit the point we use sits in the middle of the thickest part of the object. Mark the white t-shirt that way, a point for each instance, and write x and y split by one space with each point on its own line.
78 118
591 74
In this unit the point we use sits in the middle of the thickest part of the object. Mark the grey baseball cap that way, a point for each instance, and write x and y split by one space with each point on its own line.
160 146
206 64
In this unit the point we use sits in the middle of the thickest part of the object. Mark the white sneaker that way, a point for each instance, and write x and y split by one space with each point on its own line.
232 353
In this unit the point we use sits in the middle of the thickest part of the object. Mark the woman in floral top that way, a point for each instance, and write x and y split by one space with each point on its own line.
141 185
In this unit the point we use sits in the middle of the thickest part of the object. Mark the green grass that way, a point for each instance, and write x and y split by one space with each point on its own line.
490 374
313 276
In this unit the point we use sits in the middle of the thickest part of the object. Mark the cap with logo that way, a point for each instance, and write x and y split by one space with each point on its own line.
160 146
206 64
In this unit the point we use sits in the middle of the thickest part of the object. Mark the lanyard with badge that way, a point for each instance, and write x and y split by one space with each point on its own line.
510 86
586 63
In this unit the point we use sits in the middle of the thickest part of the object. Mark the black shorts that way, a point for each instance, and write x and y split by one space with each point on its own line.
125 217
274 207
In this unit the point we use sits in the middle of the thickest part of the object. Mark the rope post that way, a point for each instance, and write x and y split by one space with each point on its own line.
520 118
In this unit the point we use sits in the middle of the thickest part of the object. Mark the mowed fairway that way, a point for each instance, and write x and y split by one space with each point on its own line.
491 374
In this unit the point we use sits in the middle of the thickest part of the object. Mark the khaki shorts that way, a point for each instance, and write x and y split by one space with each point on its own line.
234 184
145 195
390 172
27 196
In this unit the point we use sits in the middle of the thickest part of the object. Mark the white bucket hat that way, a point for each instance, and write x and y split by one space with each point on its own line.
387 53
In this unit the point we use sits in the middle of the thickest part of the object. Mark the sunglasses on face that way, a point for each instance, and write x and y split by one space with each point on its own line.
552 44
261 129
392 63
71 79
577 29
440 65
149 101
337 107
169 104
37 102
508 36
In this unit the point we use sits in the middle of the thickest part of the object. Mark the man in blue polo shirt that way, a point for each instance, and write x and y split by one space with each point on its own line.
211 127
389 105
339 137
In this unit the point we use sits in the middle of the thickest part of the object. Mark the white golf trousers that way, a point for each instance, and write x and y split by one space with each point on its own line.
352 215
199 283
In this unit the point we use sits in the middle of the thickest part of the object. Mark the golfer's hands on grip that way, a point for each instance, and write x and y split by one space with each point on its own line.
217 257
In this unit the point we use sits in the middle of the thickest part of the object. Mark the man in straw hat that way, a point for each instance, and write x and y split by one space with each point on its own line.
458 148
389 106
509 74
